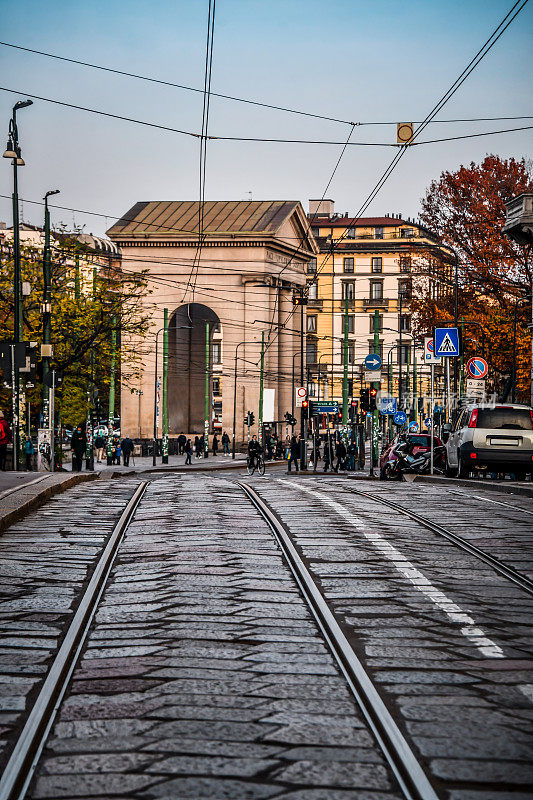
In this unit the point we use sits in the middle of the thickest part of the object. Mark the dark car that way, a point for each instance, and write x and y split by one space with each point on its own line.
420 442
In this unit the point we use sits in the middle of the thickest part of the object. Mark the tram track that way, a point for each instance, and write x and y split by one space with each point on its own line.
403 762
24 758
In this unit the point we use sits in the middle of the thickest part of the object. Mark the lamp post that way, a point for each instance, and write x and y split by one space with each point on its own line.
14 152
154 453
47 307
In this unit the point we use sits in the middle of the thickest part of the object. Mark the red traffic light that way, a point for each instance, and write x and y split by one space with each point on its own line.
373 392
305 403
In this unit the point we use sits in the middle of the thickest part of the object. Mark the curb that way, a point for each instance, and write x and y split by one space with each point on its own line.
491 486
32 503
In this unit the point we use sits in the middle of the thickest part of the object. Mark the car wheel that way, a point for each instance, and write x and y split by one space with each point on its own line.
462 471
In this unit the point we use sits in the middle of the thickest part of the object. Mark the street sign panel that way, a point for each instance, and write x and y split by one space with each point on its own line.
388 405
325 408
372 376
301 394
413 426
429 351
477 367
400 418
475 388
428 422
447 342
373 361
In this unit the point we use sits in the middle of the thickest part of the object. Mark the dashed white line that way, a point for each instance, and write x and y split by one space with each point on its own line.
454 612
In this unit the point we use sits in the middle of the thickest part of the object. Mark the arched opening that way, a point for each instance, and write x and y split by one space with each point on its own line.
186 367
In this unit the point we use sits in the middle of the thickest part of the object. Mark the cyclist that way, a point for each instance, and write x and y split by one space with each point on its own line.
254 450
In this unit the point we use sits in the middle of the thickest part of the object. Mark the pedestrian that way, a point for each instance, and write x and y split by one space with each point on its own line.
126 446
287 447
28 452
182 441
350 450
340 452
215 445
115 456
279 449
201 445
78 445
327 455
269 447
197 446
99 443
225 444
5 439
188 452
294 453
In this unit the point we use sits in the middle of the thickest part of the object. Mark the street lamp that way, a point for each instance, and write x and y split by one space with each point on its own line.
14 152
47 306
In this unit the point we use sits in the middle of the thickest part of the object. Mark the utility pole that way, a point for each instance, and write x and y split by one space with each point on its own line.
302 410
111 412
345 371
207 393
400 351
46 350
164 441
261 383
376 385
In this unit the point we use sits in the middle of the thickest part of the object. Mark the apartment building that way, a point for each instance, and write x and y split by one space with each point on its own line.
368 265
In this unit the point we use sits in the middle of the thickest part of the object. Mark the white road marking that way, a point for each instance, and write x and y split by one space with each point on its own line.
454 612
488 500
527 689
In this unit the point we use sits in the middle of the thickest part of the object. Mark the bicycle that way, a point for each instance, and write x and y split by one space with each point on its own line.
255 463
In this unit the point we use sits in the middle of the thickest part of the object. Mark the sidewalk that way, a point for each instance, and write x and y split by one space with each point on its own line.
141 464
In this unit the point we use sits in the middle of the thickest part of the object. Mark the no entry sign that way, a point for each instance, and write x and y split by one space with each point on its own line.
477 367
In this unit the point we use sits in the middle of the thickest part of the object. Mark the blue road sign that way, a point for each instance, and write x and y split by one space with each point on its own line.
325 408
400 418
428 422
373 361
447 342
413 426
388 405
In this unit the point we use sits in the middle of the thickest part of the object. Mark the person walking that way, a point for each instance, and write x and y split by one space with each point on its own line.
350 450
182 441
215 445
99 444
294 453
327 455
5 439
188 452
340 452
78 445
201 445
126 446
225 444
28 452
197 446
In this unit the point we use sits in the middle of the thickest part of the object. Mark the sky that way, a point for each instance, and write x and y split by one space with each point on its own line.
358 61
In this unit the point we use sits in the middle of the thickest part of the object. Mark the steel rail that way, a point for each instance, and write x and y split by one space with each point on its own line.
24 758
412 779
498 566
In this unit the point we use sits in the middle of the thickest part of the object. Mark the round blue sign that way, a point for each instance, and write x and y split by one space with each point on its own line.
400 418
373 361
428 422
413 426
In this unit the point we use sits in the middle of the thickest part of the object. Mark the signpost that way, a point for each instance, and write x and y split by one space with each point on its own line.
400 418
475 388
388 405
413 426
373 361
477 367
325 408
447 343
372 376
429 351
301 394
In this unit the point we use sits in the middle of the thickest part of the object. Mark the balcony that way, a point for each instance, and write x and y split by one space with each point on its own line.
376 302
315 303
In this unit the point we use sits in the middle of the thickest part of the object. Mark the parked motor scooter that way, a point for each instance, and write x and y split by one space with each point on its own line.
405 462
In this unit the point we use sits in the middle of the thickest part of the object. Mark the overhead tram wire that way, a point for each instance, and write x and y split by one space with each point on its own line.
232 97
474 62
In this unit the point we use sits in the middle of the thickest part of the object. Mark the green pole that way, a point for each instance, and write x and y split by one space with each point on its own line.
408 379
415 403
461 359
207 393
164 439
111 412
261 382
376 385
47 311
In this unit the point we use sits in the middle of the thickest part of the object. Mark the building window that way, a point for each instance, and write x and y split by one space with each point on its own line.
312 289
216 354
372 318
405 263
216 386
311 324
312 389
311 351
311 266
376 290
351 353
347 264
372 349
217 407
404 353
348 290
377 264
405 322
406 233
378 232
351 324
404 289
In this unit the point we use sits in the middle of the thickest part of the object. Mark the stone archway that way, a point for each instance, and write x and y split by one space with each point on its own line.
186 367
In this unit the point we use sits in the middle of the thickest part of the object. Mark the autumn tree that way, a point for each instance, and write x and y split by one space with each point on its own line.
466 211
91 297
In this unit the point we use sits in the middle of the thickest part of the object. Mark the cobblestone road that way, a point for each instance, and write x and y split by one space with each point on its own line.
205 676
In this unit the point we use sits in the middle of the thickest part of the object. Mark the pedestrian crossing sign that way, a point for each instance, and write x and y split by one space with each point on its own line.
447 342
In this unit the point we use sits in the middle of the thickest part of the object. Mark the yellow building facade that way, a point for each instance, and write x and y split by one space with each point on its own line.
369 264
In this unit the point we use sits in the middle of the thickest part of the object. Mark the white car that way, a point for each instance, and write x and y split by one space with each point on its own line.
497 438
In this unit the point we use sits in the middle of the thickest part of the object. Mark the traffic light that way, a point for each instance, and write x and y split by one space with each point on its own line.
373 393
364 397
299 299
290 419
353 410
305 408
251 418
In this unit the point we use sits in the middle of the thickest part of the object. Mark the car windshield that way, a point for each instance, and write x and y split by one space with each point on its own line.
515 419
